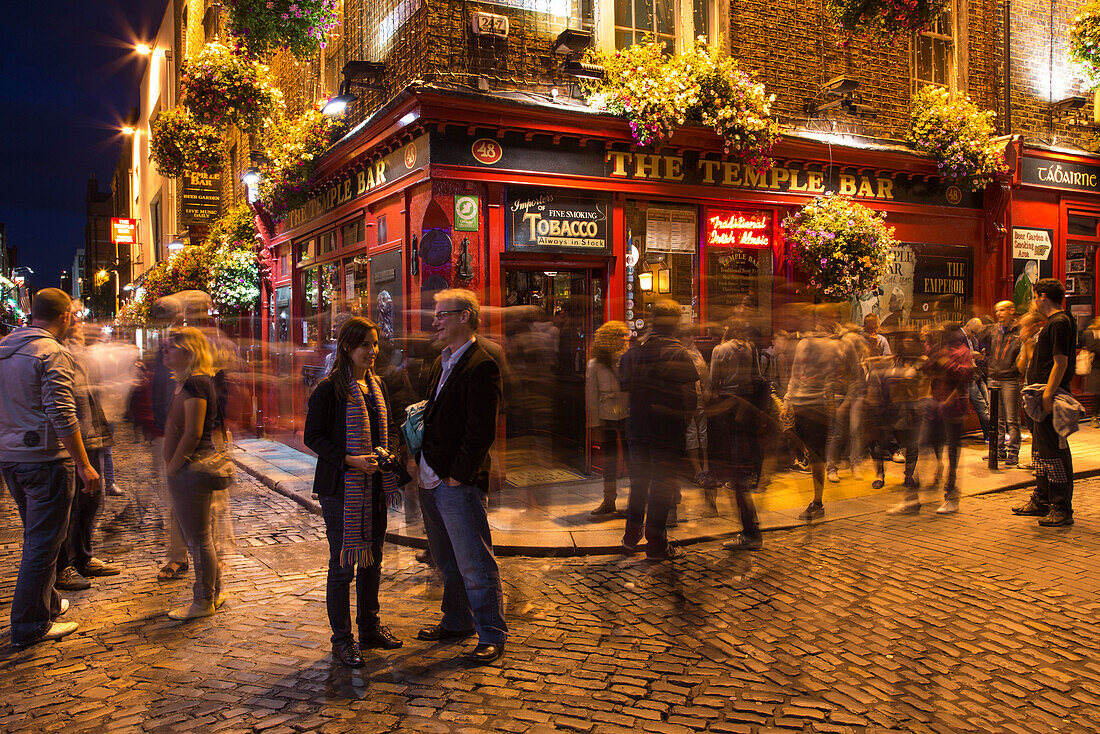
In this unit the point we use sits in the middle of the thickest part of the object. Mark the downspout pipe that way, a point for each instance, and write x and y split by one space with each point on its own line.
1008 66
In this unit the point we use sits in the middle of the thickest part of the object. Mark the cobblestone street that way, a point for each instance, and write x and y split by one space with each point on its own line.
980 622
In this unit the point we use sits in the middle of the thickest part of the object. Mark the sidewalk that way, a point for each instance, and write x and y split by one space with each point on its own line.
552 520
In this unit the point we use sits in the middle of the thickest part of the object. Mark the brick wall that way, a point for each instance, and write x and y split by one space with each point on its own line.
1035 79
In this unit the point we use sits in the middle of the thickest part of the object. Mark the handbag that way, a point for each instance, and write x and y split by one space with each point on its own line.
1085 358
218 468
412 430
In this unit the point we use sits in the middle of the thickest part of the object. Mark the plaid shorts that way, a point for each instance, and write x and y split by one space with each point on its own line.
1053 469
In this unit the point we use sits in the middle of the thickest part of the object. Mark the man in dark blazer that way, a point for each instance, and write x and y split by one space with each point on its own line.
464 393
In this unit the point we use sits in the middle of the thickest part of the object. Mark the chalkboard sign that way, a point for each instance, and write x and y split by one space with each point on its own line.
732 274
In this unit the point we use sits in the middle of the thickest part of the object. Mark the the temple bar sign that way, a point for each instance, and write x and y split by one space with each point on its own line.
201 200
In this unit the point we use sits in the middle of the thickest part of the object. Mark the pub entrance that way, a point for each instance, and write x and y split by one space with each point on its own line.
550 314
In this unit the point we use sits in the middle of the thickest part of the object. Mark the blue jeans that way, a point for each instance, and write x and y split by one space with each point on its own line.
44 493
979 400
77 550
367 578
457 525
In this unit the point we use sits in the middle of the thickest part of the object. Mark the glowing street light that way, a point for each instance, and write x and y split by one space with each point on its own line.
144 49
128 130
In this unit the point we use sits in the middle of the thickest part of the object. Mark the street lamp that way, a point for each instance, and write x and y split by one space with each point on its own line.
144 49
128 130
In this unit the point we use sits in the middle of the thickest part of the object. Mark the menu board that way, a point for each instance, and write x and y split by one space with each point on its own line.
671 230
732 274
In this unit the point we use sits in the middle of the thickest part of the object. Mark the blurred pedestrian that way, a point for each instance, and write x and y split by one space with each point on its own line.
978 391
607 408
189 455
806 405
697 438
848 388
38 427
950 369
659 376
349 414
465 388
76 561
1031 323
1052 499
1004 349
903 390
1090 342
739 392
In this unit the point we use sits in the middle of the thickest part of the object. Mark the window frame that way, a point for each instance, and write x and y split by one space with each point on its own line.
955 81
683 15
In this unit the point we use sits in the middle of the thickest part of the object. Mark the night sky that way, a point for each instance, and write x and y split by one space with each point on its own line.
69 77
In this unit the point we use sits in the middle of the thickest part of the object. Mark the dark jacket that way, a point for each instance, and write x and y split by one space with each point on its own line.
325 434
460 423
1003 350
660 377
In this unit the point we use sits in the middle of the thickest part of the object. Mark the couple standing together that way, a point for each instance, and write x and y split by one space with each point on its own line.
350 428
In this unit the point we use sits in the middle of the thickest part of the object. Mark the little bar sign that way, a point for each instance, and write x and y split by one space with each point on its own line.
727 228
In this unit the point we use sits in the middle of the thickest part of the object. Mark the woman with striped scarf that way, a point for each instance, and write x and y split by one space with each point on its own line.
346 421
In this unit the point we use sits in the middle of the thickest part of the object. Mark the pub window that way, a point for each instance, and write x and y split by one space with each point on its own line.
353 233
380 225
935 53
155 227
306 250
637 20
327 243
667 239
1082 226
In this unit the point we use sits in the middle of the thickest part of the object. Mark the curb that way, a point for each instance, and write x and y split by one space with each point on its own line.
533 551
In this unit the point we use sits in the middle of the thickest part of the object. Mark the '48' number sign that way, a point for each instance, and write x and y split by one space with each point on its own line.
488 24
486 151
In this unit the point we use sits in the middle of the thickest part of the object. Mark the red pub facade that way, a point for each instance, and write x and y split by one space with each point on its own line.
551 214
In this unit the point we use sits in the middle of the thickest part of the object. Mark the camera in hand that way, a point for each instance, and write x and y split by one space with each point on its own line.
388 461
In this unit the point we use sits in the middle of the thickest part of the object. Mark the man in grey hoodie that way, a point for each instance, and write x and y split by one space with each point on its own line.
40 441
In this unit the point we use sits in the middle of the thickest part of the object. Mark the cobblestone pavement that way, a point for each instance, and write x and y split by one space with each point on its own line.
980 622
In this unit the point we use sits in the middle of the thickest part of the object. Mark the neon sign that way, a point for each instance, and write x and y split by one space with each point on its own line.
726 228
123 231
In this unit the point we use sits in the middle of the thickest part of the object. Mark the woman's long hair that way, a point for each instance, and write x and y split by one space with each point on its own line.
192 341
609 342
351 336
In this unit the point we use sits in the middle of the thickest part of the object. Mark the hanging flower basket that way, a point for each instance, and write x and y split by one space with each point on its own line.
235 281
657 93
958 135
236 227
1084 40
299 26
179 143
222 87
839 245
884 20
294 146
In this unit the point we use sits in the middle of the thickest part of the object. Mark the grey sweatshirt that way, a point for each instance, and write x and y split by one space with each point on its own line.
37 405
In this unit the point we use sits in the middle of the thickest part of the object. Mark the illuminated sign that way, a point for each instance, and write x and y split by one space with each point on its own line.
1060 174
123 231
727 228
542 219
200 200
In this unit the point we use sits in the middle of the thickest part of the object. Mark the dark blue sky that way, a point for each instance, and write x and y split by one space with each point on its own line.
68 76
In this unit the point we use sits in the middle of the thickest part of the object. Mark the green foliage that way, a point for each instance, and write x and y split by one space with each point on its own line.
179 143
222 87
884 20
294 145
299 26
958 135
236 225
235 281
1084 40
839 245
657 93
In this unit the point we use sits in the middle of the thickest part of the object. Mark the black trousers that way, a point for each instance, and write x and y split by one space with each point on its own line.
77 548
367 578
1053 467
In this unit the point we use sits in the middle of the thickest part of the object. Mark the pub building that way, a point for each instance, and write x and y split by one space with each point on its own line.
1054 219
559 222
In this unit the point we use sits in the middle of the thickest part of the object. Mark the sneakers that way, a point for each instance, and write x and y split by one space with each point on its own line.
907 507
112 490
831 474
56 631
898 457
1056 518
68 579
949 507
670 553
1095 422
742 542
1012 460
879 483
1031 508
813 511
95 567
